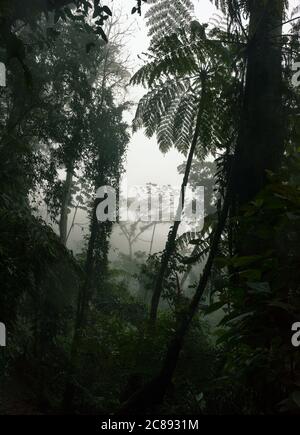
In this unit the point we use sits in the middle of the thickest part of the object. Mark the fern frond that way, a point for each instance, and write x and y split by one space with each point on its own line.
155 104
174 73
164 17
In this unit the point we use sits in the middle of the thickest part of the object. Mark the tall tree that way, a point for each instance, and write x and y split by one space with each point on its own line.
261 134
104 166
188 74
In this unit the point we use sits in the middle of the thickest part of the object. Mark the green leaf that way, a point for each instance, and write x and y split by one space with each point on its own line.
296 398
214 307
101 32
251 275
107 10
57 15
68 12
245 261
259 287
233 318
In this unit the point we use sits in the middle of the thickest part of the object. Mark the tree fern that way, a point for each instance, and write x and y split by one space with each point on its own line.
188 74
164 17
173 74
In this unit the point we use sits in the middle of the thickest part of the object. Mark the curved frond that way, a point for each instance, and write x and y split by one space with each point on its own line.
164 17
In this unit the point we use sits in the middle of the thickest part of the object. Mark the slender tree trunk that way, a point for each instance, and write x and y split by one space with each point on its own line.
130 250
66 200
170 245
81 313
153 393
152 239
84 293
73 222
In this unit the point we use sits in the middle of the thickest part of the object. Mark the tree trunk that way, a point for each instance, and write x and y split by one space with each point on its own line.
66 201
154 392
261 135
152 239
81 313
